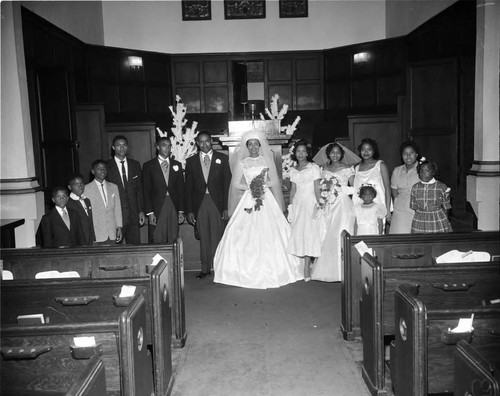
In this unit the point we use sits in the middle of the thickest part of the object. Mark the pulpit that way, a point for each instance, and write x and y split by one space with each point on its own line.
271 129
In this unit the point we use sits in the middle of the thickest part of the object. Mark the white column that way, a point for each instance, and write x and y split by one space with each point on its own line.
19 190
483 181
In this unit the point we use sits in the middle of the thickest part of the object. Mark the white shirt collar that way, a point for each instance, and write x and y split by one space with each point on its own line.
119 161
99 183
61 210
202 154
432 181
161 159
75 197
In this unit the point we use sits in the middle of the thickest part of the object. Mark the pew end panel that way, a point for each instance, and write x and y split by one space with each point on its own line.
428 320
178 303
474 372
135 357
371 329
407 364
54 372
161 287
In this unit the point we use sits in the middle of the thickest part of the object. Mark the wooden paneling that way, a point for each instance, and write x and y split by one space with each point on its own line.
308 96
158 99
106 93
364 93
215 72
187 72
216 100
308 69
433 88
384 129
191 97
279 70
132 99
285 93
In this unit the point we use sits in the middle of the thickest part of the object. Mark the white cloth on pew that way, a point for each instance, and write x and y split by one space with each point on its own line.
7 275
157 258
454 256
56 274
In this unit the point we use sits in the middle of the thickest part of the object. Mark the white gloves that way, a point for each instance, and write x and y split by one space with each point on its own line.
289 216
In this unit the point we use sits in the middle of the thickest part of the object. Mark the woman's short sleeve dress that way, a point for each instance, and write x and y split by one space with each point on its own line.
305 239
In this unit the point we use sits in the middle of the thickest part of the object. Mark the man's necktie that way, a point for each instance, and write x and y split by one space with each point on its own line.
206 161
124 175
104 195
66 218
164 168
82 202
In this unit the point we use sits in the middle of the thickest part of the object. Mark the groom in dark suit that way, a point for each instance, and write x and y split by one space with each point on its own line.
163 187
126 174
208 177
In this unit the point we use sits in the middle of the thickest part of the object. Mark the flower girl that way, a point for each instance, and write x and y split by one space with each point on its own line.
369 214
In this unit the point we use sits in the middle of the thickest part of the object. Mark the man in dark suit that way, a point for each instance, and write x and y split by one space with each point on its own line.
163 187
208 177
61 226
126 174
81 205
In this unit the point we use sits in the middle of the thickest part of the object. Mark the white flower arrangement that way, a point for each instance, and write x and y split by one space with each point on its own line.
287 164
183 139
274 114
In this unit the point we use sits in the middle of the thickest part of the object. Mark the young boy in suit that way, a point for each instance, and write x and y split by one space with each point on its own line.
81 205
61 226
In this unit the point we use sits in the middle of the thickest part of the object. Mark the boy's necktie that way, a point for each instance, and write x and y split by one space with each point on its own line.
104 195
82 201
66 218
124 175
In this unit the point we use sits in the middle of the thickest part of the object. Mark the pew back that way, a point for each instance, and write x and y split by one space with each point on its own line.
106 262
119 332
398 251
54 371
40 296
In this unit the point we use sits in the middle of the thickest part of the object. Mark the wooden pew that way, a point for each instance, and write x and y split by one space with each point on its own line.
158 313
453 285
476 373
98 262
55 371
118 330
422 354
404 250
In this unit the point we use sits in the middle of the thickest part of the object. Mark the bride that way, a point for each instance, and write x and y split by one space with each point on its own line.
337 162
252 252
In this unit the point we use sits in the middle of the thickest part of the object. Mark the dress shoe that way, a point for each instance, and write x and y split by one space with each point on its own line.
202 275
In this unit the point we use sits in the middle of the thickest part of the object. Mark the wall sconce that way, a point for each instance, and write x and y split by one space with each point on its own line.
135 62
361 58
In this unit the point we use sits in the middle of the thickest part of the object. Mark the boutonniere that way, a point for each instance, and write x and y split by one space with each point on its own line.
218 161
89 207
176 168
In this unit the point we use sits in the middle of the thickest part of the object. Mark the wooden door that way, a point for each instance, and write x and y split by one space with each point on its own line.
56 133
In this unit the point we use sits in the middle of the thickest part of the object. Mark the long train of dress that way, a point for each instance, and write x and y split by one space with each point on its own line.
252 252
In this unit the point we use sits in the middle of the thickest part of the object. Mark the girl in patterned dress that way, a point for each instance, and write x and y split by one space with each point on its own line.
430 199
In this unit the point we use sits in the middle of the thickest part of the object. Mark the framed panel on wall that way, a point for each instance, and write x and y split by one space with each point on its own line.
244 9
196 10
293 8
191 97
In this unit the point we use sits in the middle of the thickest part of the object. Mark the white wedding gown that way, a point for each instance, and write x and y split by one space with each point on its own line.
252 252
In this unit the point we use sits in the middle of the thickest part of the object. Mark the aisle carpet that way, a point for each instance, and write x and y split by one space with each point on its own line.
264 342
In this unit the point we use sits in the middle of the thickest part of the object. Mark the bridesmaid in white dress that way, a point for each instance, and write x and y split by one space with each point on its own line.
338 215
305 241
372 171
252 251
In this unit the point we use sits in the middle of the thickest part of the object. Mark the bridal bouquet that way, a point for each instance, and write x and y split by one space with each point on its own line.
329 187
257 189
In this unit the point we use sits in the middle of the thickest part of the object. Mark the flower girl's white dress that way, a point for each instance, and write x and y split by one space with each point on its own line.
252 252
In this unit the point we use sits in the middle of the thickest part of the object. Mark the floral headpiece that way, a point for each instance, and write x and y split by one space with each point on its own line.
422 159
366 185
